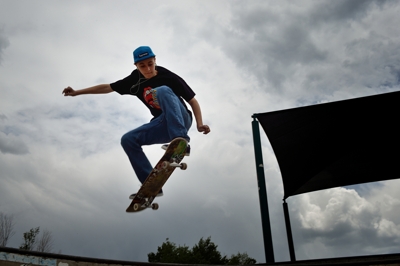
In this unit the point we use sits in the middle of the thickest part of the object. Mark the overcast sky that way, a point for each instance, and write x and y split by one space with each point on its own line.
61 164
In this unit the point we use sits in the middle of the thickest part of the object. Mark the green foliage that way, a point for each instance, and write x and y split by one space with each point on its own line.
241 259
205 252
170 253
29 239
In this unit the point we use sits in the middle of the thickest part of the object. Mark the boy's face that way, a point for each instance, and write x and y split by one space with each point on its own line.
147 67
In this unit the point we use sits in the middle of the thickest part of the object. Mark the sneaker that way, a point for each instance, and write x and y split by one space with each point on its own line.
165 147
158 195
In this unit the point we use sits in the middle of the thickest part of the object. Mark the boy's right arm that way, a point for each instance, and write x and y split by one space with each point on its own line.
98 89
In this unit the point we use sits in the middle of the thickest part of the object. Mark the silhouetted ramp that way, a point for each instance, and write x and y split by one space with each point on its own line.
17 257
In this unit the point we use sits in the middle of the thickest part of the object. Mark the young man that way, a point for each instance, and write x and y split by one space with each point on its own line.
163 92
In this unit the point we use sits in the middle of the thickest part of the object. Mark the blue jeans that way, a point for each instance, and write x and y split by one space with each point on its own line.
174 122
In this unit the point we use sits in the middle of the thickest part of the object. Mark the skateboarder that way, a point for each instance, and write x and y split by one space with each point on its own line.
164 93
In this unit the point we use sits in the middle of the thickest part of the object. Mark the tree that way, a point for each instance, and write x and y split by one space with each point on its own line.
6 228
45 243
29 239
205 252
241 259
170 253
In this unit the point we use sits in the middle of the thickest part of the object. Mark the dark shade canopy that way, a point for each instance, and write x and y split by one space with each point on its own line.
336 144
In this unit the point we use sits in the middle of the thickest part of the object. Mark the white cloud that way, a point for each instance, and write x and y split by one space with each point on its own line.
340 218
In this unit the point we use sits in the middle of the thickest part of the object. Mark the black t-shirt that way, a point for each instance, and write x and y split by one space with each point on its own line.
136 84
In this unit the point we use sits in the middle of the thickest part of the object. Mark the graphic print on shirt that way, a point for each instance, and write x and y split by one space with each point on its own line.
150 96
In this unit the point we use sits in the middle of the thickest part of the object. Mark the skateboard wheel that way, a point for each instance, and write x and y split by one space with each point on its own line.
183 166
165 165
154 206
136 206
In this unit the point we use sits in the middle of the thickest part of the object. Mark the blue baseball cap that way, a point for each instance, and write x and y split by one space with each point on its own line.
142 53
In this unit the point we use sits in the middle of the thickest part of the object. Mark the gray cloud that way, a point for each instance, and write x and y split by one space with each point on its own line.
4 43
9 142
12 144
343 11
305 49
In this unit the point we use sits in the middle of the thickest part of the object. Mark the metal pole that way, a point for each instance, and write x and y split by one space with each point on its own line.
266 225
289 231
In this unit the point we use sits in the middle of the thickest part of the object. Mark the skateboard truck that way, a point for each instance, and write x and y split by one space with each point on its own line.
167 164
137 206
145 203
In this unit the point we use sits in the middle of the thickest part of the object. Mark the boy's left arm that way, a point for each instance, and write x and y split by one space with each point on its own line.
197 114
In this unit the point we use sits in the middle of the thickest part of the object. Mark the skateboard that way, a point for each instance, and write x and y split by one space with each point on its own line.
159 175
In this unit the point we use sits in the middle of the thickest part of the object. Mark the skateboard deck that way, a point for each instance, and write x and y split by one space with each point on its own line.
159 175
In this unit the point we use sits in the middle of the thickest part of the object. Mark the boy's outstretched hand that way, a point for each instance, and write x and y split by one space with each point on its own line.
204 128
69 91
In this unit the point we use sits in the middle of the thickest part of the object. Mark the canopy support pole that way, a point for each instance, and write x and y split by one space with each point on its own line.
289 231
266 225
